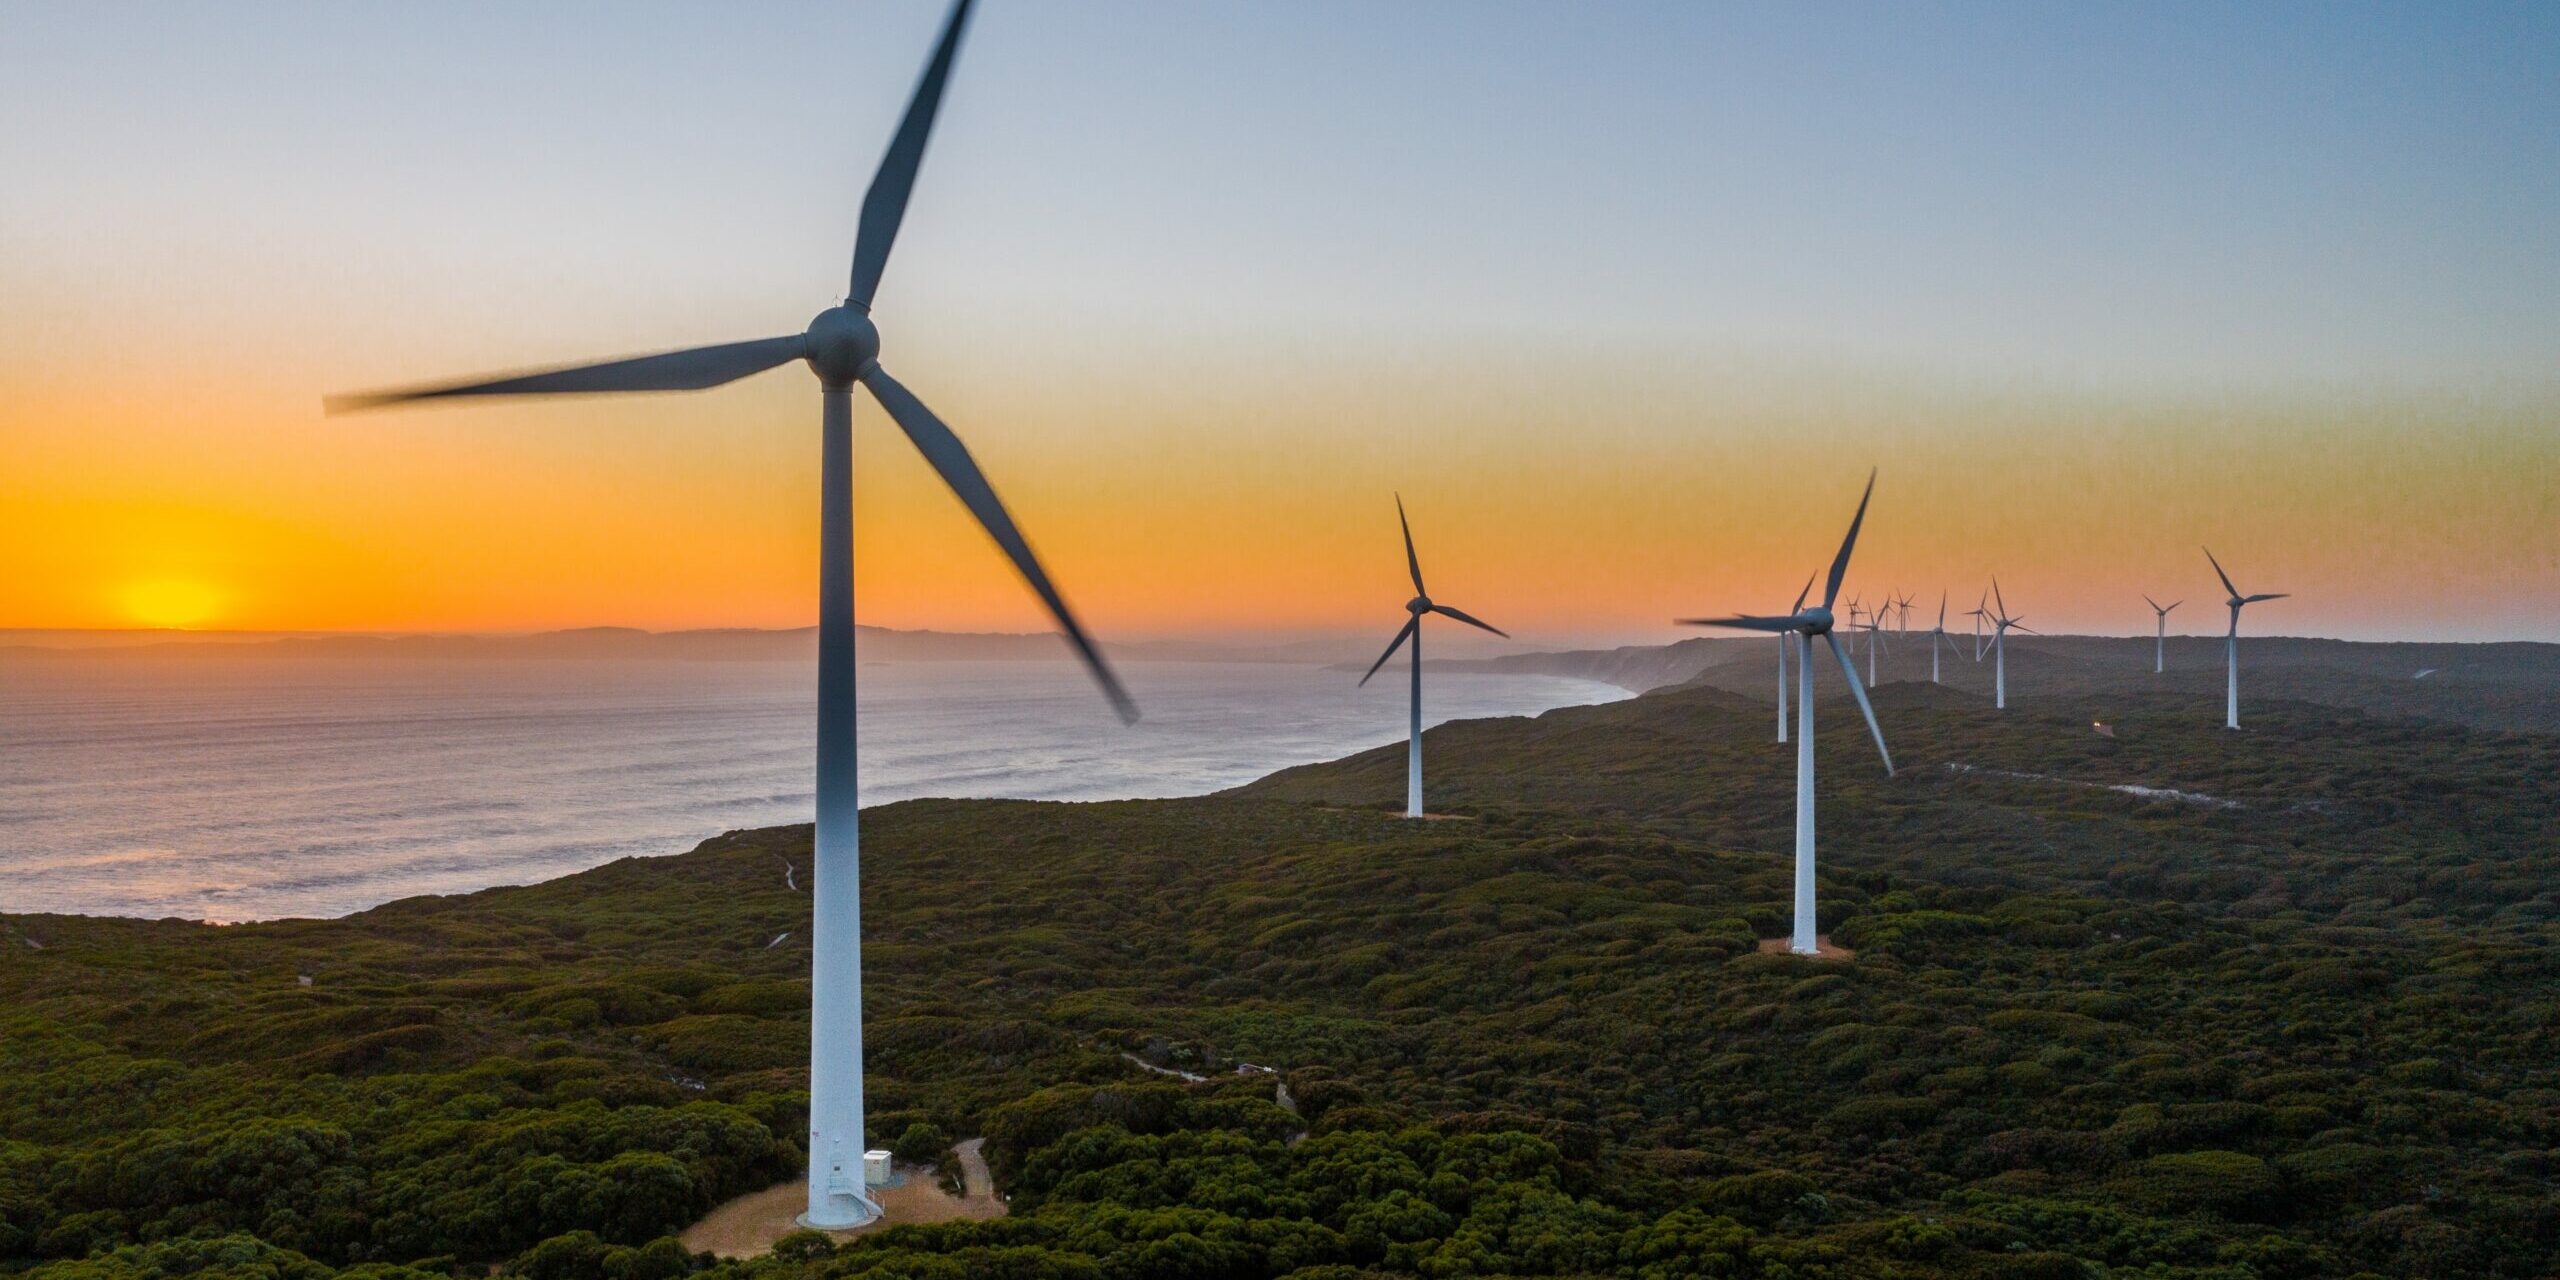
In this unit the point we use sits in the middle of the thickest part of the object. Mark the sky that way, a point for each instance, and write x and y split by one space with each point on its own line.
1625 300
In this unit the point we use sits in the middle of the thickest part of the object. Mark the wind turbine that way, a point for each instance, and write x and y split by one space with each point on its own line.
842 348
1420 604
2001 625
1936 634
1875 639
2160 643
2231 644
1978 613
1808 623
1786 640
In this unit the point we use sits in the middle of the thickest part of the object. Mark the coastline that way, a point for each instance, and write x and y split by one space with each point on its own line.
446 837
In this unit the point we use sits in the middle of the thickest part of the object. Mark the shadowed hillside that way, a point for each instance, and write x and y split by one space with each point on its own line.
2491 686
2286 1012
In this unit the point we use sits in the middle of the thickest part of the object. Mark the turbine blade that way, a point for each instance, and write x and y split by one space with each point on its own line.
2015 625
1808 590
1840 562
2274 596
1995 598
960 471
2146 599
1472 622
1410 626
884 206
1858 690
2172 605
1942 611
2217 572
1412 562
691 369
1745 622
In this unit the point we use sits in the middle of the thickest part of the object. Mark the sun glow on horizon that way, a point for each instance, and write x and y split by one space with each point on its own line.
175 604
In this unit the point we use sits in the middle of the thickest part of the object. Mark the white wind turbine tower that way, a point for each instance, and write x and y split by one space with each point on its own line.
842 347
1787 639
1808 623
2231 643
1938 634
1875 639
2160 642
2001 625
1418 606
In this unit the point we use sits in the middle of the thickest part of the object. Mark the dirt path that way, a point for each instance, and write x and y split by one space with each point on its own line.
747 1226
1184 1076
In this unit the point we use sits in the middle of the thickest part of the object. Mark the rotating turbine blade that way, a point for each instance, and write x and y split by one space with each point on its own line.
2015 625
1942 611
1858 689
2003 605
692 369
2146 599
1472 622
1411 625
1840 562
960 471
1412 562
884 206
2217 572
1746 622
2275 596
1808 590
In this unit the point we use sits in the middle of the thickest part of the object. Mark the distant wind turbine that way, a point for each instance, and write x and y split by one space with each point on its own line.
842 347
1937 634
2160 642
1786 640
1979 612
2001 625
2231 643
1875 641
1419 605
1808 623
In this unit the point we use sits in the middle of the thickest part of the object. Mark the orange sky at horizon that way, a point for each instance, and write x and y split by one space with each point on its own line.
1569 496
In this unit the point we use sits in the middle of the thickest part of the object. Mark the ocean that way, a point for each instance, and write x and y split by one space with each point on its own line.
227 788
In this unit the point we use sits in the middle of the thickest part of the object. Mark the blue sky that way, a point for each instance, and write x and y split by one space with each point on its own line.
2188 191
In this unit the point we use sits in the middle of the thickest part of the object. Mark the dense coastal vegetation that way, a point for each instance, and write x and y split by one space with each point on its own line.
2290 1009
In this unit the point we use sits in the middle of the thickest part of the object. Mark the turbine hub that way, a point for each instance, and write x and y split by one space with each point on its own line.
1418 605
843 344
1817 620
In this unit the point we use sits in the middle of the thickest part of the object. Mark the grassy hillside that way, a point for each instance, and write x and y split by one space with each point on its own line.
2302 1021
2514 686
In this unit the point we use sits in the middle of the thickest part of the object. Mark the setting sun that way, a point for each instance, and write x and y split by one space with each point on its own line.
171 602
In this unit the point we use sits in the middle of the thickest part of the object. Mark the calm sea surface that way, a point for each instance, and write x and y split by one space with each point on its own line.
238 789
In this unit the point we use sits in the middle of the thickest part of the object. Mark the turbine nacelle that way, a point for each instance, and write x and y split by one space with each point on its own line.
843 345
1816 619
1418 605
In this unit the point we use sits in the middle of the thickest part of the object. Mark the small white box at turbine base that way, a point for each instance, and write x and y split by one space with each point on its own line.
875 1168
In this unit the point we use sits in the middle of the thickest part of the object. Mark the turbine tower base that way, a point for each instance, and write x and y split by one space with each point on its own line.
846 1211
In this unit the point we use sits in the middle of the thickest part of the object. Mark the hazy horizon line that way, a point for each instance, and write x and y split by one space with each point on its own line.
1257 639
